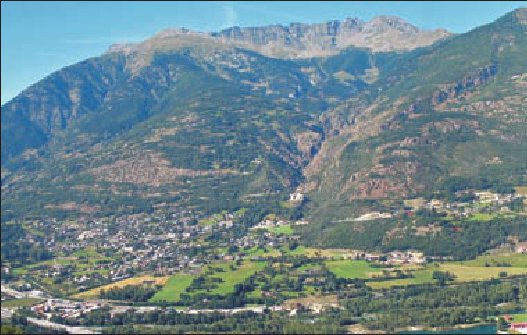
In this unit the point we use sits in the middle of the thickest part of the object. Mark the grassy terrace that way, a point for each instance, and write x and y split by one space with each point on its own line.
93 293
351 269
230 277
23 302
473 270
224 277
283 229
173 288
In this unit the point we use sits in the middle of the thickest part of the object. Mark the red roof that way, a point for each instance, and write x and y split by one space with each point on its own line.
519 325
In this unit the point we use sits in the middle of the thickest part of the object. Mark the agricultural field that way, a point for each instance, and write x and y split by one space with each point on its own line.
258 252
129 281
23 302
226 278
352 269
522 317
472 273
420 276
283 229
522 190
316 252
211 220
173 288
512 259
483 216
463 272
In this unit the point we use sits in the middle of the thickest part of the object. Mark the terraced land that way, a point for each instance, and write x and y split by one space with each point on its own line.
173 288
93 293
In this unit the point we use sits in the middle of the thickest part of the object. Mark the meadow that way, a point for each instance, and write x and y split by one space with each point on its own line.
351 269
93 293
173 288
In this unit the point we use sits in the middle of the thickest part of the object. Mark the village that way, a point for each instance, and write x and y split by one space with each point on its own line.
108 250
91 253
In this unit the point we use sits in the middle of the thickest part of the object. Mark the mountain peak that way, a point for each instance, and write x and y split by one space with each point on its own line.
387 22
521 15
301 40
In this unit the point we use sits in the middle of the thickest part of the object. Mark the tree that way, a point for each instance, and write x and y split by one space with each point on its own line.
443 277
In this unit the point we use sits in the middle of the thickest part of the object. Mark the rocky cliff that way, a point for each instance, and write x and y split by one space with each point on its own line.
382 33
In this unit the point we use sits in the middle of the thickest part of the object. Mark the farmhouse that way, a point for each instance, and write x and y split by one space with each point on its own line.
520 327
521 248
297 196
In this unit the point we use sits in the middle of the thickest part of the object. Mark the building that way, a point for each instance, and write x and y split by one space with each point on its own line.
521 248
520 327
297 196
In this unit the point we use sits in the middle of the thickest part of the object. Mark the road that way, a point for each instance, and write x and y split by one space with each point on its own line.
69 329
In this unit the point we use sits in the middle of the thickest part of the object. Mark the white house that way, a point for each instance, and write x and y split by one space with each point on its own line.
297 196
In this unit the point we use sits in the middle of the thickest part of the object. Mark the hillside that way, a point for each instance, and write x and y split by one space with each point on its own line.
161 124
448 116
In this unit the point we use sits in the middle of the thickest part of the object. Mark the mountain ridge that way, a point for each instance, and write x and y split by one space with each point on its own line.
300 40
132 131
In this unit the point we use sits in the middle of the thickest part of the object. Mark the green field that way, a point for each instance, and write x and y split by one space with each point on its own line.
134 281
283 229
463 272
173 288
519 317
483 217
351 269
514 259
315 252
230 278
267 252
472 273
177 284
421 276
23 302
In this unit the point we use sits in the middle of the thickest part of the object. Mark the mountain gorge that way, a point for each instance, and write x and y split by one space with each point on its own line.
355 115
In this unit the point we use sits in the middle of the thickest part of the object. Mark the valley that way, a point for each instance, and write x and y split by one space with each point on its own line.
344 177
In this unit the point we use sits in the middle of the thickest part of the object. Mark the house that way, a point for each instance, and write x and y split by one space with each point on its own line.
521 248
297 196
520 327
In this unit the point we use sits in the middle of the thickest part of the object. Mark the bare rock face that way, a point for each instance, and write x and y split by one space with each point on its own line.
297 40
382 33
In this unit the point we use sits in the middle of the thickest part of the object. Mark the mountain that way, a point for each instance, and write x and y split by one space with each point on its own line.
451 111
245 116
382 33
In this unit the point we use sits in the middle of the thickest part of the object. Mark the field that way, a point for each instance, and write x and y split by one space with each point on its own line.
173 288
230 277
483 217
351 269
421 276
514 259
267 252
23 302
283 229
519 317
474 270
315 252
472 273
129 281
521 190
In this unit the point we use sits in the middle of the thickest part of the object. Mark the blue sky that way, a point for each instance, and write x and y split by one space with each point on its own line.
41 37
